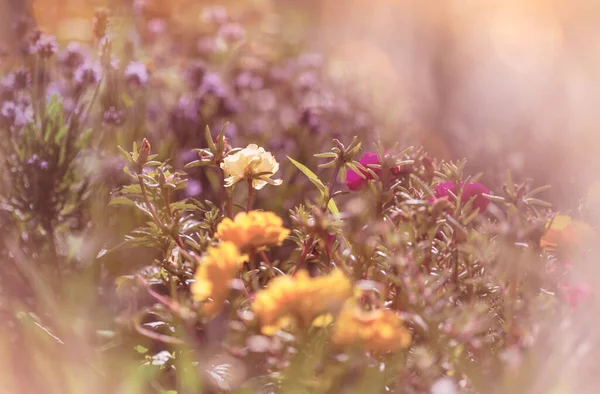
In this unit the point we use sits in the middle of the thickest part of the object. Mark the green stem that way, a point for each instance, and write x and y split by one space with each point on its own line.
229 202
332 184
250 193
147 201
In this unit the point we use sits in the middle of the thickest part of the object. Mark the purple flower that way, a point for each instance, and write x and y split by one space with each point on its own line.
212 84
307 80
232 32
53 89
8 110
32 159
193 188
194 74
88 74
136 74
72 57
45 46
17 114
353 180
112 116
470 190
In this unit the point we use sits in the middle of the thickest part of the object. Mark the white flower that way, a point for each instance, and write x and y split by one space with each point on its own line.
253 163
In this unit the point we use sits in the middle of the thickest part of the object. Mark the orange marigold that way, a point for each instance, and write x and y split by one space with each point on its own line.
378 330
298 300
253 230
217 268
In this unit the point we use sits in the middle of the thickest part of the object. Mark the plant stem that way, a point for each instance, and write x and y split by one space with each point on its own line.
250 193
455 267
229 202
147 200
263 255
253 275
153 335
305 249
332 184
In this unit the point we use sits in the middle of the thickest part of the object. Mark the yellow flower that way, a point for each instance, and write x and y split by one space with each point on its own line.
217 268
254 229
378 331
253 163
566 235
298 300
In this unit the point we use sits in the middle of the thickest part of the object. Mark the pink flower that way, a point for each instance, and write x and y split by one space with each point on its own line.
577 293
470 190
353 180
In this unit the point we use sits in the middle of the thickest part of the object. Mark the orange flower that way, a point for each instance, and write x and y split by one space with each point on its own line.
299 300
378 331
217 268
566 235
254 229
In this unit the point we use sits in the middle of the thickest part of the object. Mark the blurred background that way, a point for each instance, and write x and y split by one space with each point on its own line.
506 84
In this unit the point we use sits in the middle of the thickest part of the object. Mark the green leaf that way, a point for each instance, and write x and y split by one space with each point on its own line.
311 175
84 138
209 140
140 349
332 206
122 201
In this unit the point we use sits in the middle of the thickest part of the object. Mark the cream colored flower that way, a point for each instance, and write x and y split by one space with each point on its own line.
253 163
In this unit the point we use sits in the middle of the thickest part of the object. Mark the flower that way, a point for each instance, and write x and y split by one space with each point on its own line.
378 330
577 293
232 32
470 190
566 235
45 45
217 268
297 301
89 73
254 229
136 74
253 163
354 180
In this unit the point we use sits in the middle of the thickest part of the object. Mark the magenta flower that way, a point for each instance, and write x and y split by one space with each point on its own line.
577 293
353 180
470 190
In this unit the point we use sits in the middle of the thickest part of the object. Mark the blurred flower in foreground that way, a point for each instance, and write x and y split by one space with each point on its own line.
217 268
378 330
254 229
354 180
577 293
470 190
252 163
296 301
566 235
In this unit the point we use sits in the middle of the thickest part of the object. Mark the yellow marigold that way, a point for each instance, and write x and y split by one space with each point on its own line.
254 229
378 331
253 163
217 268
298 300
566 235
